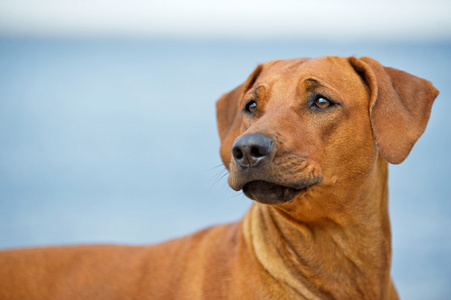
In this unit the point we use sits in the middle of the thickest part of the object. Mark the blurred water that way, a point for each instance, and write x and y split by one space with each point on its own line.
114 141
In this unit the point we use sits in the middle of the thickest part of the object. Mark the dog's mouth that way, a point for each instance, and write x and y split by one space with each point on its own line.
271 193
278 181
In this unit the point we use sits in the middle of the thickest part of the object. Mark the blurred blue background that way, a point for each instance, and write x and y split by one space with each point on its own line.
107 117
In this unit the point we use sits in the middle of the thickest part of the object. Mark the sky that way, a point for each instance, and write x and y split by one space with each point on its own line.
348 20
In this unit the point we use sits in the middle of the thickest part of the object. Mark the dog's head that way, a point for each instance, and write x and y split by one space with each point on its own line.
304 124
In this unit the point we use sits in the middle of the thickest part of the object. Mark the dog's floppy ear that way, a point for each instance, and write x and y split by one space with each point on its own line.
399 107
228 116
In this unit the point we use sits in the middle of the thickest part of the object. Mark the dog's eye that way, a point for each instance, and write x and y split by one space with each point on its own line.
322 102
251 107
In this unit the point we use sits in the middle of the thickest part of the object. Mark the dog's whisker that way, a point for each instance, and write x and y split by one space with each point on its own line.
220 175
219 179
218 166
238 194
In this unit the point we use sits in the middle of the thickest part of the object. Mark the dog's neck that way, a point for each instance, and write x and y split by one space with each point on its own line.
344 258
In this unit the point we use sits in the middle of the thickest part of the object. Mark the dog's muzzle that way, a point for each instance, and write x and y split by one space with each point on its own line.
264 179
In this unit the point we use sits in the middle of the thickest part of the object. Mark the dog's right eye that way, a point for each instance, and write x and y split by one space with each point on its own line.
322 103
251 107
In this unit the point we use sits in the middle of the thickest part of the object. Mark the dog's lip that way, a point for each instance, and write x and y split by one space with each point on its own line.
272 193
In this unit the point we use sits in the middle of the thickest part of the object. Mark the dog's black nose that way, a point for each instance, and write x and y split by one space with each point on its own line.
250 150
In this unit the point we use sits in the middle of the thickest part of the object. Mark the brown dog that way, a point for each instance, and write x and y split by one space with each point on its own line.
309 141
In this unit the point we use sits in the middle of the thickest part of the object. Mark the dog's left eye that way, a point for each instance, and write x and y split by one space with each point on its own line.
322 102
251 107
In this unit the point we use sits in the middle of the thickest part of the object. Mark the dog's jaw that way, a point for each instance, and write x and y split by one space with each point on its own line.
271 193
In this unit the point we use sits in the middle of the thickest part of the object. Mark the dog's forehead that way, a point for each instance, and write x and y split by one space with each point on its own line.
335 70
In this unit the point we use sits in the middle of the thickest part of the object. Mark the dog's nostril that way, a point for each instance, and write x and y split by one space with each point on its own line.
256 152
237 153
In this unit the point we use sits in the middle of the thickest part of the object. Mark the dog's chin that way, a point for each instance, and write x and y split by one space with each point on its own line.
271 193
